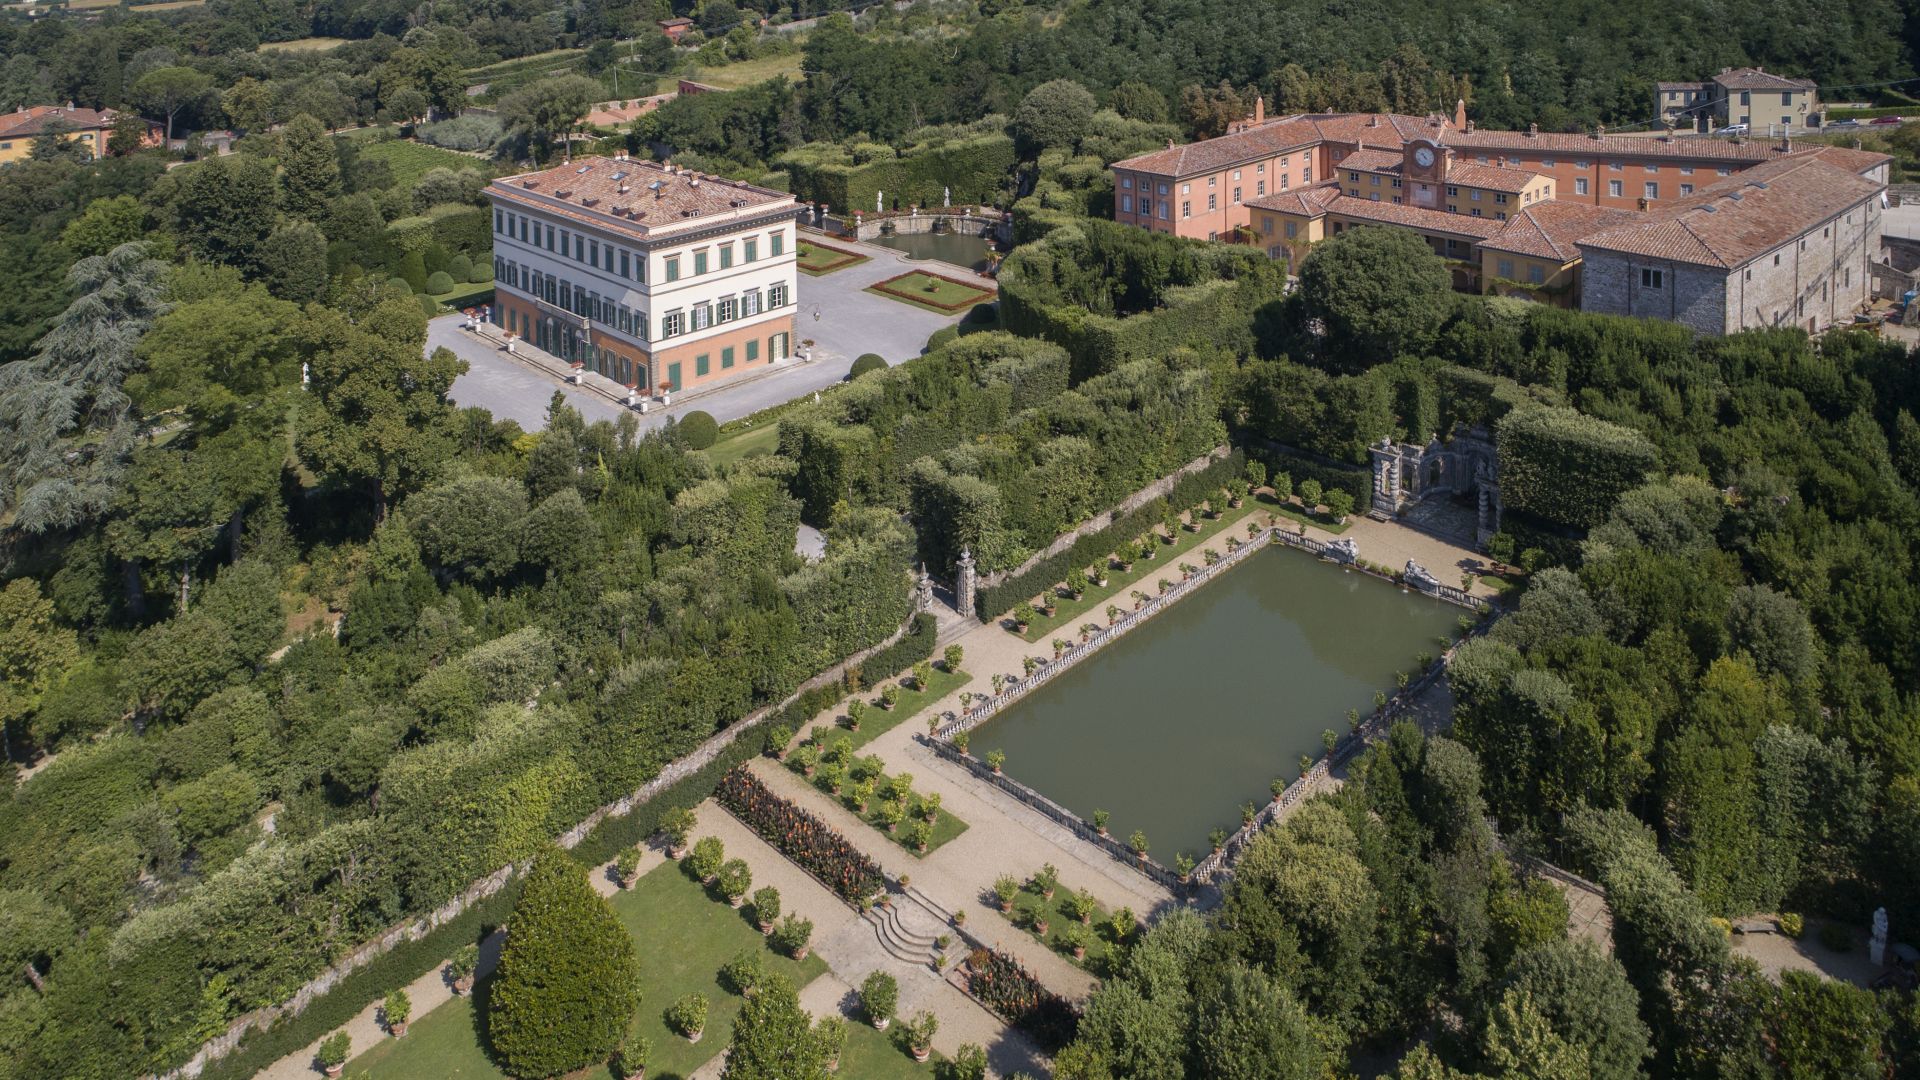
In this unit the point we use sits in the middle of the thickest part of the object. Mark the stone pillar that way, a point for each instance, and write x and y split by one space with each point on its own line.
1386 478
963 583
1489 522
923 591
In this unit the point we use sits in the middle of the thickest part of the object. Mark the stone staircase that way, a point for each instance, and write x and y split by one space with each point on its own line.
909 928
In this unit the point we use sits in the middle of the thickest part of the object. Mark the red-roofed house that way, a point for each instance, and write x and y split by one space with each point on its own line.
89 127
1509 210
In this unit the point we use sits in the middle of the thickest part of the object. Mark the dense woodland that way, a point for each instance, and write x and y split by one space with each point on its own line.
1707 698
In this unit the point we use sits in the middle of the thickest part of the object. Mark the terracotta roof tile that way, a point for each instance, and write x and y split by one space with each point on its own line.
1755 79
1210 155
1743 216
1551 229
32 121
638 197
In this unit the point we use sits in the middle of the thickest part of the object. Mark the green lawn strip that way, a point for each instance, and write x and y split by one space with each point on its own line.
1292 512
464 295
819 259
1102 952
1069 611
879 1055
947 298
683 938
945 827
912 702
752 442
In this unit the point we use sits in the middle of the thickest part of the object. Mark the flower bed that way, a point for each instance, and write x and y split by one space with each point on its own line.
935 291
1010 992
917 819
800 836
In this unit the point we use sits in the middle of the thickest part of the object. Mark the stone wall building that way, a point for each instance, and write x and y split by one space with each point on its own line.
1763 101
1787 244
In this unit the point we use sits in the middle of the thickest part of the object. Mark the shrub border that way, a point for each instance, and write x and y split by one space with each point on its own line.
847 258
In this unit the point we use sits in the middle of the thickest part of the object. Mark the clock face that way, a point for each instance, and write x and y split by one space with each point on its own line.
1423 157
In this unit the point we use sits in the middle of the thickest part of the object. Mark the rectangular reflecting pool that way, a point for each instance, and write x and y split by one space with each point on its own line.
1171 727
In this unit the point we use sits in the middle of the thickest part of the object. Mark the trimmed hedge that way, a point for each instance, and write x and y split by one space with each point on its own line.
1569 468
1174 293
1355 482
699 429
973 161
399 967
990 602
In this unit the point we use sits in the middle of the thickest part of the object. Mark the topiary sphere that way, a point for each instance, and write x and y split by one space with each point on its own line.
439 283
867 362
699 430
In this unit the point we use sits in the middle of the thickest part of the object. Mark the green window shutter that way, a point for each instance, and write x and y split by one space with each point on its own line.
700 365
726 357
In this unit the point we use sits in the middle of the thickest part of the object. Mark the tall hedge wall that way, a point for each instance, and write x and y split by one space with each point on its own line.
974 164
1566 467
991 602
1111 293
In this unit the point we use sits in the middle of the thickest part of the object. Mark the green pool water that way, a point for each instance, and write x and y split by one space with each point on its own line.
1176 724
964 251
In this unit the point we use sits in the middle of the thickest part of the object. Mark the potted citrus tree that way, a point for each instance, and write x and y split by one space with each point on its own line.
879 997
766 908
332 1053
461 968
920 1031
395 1010
688 1016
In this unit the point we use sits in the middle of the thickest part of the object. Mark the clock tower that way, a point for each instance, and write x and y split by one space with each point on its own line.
1425 160
1423 169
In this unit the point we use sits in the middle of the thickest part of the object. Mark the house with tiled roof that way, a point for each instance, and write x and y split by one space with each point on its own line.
1765 102
1507 209
1787 243
88 127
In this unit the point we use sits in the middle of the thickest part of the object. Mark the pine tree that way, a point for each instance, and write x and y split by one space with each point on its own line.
66 422
568 980
773 1038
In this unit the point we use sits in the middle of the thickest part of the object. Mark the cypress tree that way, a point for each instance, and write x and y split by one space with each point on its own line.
568 980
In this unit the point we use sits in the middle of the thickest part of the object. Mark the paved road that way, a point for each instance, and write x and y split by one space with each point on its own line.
851 322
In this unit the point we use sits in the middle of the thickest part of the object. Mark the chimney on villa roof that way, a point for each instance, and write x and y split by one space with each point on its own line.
1373 120
1469 127
1533 131
1460 112
1600 131
1260 109
1169 144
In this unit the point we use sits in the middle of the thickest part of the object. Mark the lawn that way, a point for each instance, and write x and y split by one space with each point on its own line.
946 826
1068 613
932 291
879 721
1292 511
817 259
305 44
1103 950
745 73
466 295
878 1055
411 160
683 939
753 442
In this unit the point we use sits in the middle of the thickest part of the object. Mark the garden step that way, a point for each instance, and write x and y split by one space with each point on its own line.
892 944
903 926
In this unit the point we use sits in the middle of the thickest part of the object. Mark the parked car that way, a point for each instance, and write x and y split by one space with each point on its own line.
1888 120
1837 124
1732 129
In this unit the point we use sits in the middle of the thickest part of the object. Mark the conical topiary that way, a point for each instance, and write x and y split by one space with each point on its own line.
568 979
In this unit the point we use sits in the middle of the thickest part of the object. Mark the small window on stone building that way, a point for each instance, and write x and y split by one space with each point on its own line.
1652 279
